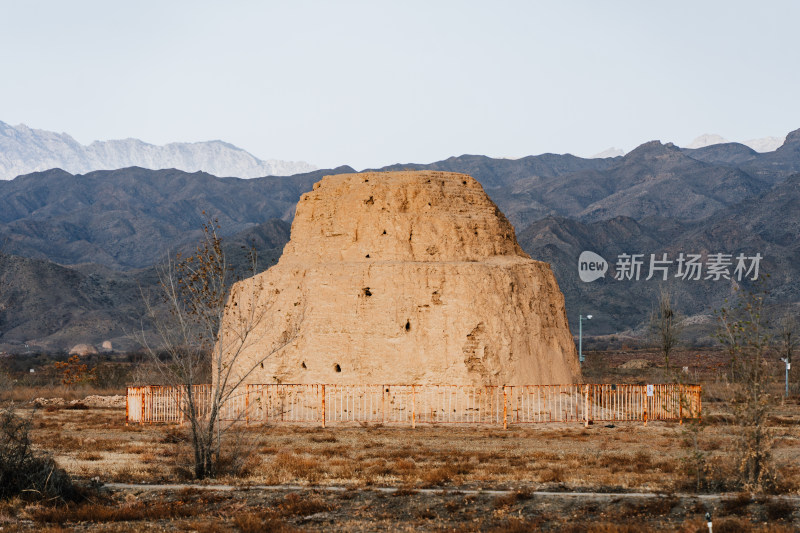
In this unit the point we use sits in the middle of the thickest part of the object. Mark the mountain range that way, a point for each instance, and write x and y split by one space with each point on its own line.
764 144
24 150
80 247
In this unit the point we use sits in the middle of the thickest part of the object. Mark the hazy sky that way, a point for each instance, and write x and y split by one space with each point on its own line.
374 83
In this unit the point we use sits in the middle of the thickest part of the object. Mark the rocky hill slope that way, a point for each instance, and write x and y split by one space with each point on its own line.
724 198
46 306
129 218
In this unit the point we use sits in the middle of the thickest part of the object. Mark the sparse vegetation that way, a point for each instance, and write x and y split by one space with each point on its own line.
94 442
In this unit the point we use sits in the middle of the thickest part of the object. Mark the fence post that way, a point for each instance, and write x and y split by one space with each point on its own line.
698 395
141 420
644 400
586 405
178 405
413 409
247 405
384 388
680 404
323 406
505 408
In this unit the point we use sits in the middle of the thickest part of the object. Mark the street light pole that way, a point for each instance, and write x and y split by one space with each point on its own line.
580 336
785 360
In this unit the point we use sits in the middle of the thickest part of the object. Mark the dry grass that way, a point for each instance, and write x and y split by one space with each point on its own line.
95 512
95 442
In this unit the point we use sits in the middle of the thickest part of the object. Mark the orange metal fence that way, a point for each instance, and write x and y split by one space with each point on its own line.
410 405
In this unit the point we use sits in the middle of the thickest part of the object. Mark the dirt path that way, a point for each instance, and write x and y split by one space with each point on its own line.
393 490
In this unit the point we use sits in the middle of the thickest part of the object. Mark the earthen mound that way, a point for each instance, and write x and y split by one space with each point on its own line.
83 350
404 278
637 364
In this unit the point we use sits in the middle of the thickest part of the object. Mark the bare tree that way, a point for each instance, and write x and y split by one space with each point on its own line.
744 330
201 338
665 325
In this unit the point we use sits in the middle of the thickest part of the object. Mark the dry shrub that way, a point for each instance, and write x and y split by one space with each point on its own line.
668 466
207 527
89 456
517 525
601 527
710 445
295 504
642 458
650 508
439 476
379 467
256 523
11 507
238 464
64 442
298 466
404 466
615 462
737 505
453 506
508 500
79 406
98 512
333 451
554 474
29 473
106 445
404 491
325 437
732 525
175 435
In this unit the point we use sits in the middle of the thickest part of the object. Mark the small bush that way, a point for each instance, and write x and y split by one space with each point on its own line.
439 476
175 436
25 473
736 505
238 465
297 505
508 500
555 474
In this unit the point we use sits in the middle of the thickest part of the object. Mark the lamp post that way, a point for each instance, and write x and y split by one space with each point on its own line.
785 360
580 337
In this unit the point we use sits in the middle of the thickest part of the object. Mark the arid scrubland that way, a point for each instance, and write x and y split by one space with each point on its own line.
441 477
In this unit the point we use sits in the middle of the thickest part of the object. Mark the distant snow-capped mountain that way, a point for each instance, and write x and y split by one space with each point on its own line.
24 150
765 144
609 152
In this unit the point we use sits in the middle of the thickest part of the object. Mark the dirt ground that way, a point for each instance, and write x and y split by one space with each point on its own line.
442 476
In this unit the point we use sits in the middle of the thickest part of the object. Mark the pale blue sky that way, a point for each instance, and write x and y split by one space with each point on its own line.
374 83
